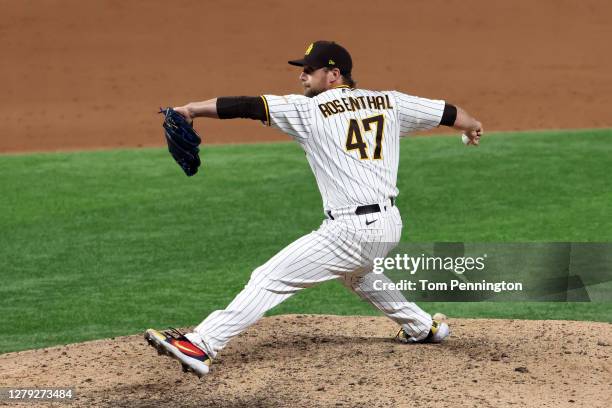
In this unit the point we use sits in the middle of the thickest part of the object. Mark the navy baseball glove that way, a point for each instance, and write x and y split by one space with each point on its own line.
183 141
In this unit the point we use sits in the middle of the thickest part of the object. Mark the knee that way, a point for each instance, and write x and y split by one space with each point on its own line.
264 278
259 277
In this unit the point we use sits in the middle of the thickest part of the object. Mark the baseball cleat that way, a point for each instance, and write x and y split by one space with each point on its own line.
438 332
174 344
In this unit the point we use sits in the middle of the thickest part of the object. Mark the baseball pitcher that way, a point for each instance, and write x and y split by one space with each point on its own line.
351 140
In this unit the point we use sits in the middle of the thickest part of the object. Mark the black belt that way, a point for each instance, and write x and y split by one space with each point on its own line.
366 209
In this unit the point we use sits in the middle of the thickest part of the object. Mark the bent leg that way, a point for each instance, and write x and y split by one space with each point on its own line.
317 257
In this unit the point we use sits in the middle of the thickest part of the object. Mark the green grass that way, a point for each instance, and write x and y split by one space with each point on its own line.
98 244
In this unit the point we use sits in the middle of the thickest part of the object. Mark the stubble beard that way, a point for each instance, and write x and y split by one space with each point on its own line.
311 92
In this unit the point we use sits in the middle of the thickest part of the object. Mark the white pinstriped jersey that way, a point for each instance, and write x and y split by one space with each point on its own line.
351 138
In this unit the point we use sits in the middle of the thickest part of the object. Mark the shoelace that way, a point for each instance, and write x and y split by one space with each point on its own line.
174 333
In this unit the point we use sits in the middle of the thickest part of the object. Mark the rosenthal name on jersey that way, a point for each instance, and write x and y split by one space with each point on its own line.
351 104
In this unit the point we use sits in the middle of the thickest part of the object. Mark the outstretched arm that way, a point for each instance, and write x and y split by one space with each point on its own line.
289 113
226 107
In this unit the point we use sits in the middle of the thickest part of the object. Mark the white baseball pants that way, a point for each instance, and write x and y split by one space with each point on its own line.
342 248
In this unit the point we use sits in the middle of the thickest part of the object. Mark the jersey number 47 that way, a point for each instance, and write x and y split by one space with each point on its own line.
354 138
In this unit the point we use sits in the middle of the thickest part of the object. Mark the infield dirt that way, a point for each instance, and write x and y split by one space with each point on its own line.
331 361
82 75
79 75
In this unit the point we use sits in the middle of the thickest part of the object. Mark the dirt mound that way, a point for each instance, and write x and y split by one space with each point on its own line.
299 361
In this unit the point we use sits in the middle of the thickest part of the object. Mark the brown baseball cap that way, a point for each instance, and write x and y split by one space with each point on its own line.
328 54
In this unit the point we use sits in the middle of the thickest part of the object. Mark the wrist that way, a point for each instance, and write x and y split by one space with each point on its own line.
191 111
